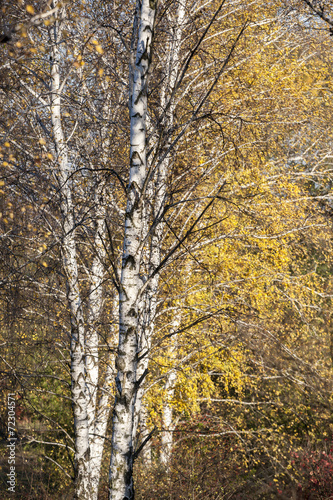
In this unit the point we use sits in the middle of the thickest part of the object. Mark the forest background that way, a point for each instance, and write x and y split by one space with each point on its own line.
166 243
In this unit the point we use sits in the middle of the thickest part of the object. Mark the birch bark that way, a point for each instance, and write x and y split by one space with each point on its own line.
99 408
122 457
90 413
69 261
168 421
167 410
144 432
92 352
137 314
159 193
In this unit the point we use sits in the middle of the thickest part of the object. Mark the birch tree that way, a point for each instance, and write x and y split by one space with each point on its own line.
121 468
62 143
91 410
158 193
147 188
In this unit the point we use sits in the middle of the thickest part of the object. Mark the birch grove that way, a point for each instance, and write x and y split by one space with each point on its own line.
165 214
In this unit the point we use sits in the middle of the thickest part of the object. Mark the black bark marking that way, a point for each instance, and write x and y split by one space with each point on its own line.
129 261
130 331
136 156
120 364
140 94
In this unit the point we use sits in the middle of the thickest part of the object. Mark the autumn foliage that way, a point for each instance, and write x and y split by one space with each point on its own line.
237 393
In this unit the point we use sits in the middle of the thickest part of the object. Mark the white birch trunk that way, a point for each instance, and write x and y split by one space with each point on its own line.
95 414
99 411
69 260
94 311
167 410
121 467
168 422
99 431
150 296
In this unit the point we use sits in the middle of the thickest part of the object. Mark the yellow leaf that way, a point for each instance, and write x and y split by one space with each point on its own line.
30 9
7 144
42 142
99 49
